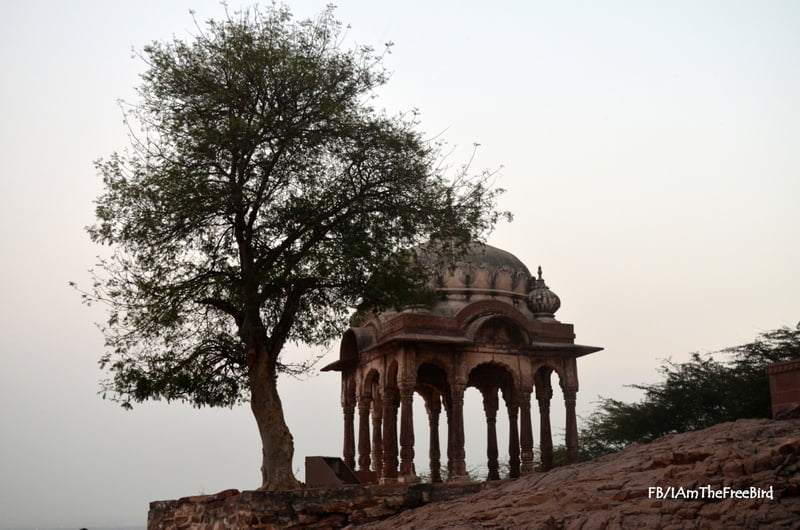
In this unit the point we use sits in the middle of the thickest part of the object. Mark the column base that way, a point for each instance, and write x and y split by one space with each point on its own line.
408 479
367 477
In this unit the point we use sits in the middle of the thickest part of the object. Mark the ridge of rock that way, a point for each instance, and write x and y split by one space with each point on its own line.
613 491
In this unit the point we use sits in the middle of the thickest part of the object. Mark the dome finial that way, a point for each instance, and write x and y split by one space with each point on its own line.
542 302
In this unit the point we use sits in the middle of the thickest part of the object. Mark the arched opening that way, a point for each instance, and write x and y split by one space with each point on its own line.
348 350
499 331
543 391
475 436
433 388
496 383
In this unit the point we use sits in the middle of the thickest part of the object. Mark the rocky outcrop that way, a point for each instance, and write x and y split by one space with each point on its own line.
733 475
304 508
742 474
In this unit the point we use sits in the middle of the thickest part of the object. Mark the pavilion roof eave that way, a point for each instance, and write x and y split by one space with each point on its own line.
341 364
579 350
419 337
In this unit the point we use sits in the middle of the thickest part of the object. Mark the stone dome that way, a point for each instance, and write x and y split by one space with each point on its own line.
483 272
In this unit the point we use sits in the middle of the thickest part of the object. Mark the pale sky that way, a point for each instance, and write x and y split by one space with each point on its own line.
649 150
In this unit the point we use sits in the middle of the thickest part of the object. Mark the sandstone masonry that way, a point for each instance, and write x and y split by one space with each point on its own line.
307 508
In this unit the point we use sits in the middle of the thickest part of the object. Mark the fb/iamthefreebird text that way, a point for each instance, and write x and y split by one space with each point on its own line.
709 492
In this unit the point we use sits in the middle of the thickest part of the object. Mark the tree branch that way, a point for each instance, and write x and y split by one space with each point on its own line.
225 306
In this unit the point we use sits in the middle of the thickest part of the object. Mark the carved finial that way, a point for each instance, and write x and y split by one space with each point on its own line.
542 302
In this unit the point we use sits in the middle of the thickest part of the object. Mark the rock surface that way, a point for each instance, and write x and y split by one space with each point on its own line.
751 457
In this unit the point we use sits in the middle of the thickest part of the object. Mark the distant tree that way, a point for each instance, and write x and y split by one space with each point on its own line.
693 395
261 200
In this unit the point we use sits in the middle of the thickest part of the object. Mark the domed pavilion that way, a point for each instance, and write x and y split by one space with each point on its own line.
492 327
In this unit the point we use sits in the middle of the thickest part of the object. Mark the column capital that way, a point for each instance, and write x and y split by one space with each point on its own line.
490 400
389 394
406 389
458 383
434 404
513 408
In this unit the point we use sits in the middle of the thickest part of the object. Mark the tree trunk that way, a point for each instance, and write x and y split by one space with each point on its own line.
276 440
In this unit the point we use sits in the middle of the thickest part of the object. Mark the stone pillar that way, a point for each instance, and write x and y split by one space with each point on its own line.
349 445
545 436
455 441
363 434
389 436
449 441
513 439
571 426
526 434
377 437
490 408
434 406
407 433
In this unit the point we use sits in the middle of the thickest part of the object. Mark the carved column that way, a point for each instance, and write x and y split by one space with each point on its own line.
513 439
363 434
455 440
390 436
571 426
490 408
434 406
545 436
377 437
349 447
407 432
449 441
526 434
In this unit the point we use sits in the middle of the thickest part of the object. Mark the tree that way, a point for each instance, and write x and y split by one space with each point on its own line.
261 200
694 395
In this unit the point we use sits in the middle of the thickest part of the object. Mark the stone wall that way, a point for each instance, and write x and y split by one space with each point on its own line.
307 508
784 387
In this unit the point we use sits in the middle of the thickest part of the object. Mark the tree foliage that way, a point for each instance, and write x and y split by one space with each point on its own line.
693 395
261 200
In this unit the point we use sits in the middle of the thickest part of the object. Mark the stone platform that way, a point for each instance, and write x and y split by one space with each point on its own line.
305 508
